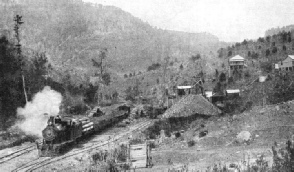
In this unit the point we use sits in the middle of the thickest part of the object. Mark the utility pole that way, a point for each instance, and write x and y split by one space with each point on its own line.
18 22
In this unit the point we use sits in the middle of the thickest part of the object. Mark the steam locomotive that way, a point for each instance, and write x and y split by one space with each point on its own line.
62 132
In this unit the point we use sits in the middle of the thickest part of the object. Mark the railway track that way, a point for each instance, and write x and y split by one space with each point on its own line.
17 153
41 162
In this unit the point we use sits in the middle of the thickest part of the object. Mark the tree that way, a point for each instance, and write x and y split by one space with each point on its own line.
268 38
284 48
125 76
266 66
244 42
222 77
216 73
38 73
220 52
115 95
11 88
260 39
100 64
195 57
157 81
254 55
274 50
165 66
106 78
230 53
267 52
181 67
154 66
284 36
90 93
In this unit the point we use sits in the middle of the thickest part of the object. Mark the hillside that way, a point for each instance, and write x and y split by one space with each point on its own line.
269 49
73 32
274 31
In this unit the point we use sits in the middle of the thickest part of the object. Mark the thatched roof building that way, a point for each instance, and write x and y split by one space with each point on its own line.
191 105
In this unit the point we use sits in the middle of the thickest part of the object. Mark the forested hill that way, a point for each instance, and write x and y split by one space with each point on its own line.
274 31
269 49
72 32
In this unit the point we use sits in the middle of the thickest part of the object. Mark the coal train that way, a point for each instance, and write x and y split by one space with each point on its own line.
62 132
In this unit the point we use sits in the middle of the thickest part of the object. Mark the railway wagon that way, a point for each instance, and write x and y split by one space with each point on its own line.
63 132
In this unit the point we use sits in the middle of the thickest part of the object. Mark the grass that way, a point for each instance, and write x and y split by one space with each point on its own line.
110 161
283 161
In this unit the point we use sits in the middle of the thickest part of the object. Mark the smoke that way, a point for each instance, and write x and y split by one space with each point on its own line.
36 113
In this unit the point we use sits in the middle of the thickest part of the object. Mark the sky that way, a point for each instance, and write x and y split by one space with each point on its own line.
229 20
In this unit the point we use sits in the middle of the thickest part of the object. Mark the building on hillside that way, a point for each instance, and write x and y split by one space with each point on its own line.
184 90
236 64
286 65
195 88
233 93
208 95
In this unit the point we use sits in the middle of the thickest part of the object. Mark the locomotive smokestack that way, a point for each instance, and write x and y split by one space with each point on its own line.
36 113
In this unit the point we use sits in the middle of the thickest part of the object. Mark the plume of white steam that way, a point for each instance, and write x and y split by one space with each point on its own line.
44 102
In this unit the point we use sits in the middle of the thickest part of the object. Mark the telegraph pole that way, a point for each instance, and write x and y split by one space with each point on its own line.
18 22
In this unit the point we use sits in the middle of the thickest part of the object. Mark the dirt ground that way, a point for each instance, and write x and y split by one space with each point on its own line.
266 125
220 146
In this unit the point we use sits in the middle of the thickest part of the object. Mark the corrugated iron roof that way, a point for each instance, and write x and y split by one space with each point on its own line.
184 87
237 58
291 56
233 91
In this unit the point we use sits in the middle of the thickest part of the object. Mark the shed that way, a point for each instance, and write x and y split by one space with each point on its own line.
233 93
208 95
184 90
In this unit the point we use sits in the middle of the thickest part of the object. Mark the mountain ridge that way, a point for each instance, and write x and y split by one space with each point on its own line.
73 32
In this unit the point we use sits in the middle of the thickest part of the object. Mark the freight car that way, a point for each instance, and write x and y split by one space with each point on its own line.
63 132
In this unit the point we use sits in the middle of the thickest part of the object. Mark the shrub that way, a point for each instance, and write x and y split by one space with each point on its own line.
247 74
154 66
191 143
266 66
136 141
230 80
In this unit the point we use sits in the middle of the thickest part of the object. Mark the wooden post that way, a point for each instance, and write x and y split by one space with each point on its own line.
18 22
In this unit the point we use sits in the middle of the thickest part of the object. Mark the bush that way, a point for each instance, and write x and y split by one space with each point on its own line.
266 66
136 141
283 161
230 80
170 125
283 158
248 106
191 143
154 66
247 74
78 109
